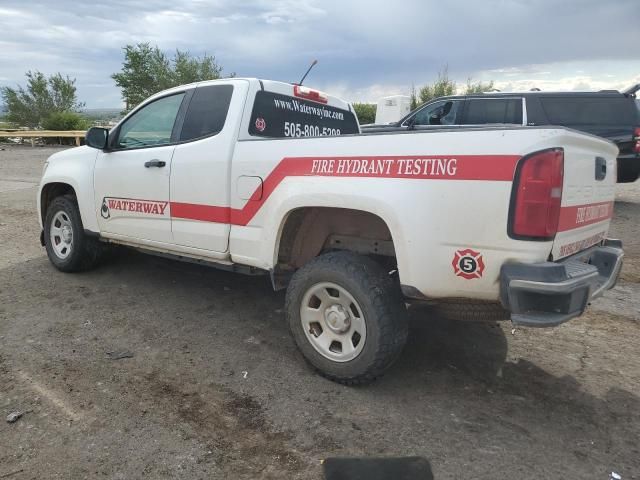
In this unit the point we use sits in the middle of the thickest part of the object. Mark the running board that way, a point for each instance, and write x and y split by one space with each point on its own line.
184 257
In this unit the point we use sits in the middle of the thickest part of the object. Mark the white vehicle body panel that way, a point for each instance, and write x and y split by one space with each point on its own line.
121 173
438 192
430 219
200 176
587 203
73 167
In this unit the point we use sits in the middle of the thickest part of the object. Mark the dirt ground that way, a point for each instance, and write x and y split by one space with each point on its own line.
216 388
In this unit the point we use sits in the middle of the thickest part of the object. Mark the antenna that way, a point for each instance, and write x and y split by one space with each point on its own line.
308 70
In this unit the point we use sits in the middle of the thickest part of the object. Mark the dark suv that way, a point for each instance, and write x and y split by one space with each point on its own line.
609 114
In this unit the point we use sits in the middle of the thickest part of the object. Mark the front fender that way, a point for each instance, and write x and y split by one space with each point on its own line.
73 167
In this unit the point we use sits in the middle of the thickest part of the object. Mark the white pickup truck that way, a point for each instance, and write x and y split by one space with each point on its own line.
266 177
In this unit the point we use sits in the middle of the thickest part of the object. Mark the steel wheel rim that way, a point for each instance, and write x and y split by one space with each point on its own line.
61 235
333 322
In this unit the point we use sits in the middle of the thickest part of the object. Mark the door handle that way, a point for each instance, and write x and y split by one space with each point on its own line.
155 163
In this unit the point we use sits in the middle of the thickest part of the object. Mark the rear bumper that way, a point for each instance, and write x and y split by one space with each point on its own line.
550 293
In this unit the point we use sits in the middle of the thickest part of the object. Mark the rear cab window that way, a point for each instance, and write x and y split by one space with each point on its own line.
277 115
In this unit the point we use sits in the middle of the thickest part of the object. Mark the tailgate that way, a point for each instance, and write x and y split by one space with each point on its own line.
588 193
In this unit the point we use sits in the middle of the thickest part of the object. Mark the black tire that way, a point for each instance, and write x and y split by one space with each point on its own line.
85 252
380 299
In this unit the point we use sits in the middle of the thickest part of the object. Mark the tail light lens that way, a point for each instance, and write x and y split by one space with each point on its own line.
535 208
636 139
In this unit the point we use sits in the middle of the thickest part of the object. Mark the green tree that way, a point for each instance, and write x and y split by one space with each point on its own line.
65 121
147 70
187 69
366 112
478 87
413 95
42 97
443 86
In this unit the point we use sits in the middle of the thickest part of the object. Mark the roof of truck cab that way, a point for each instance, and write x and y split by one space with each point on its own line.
274 86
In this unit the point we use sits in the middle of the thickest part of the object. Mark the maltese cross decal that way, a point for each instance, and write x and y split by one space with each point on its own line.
260 124
468 264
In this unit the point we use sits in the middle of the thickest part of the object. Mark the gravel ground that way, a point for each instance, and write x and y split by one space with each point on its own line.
215 388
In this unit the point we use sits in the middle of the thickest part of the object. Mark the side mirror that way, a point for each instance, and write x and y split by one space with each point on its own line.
97 138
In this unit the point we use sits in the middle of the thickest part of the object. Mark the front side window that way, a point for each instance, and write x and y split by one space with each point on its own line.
481 111
207 112
151 125
444 112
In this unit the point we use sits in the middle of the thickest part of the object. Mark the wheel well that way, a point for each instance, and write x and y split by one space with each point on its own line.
309 231
51 191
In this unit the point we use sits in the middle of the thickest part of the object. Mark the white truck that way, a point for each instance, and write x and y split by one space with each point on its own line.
266 177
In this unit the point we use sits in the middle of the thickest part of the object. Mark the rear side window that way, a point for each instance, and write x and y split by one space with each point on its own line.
276 115
493 110
207 111
587 110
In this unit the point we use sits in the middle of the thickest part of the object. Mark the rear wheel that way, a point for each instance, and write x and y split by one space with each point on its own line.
68 247
347 316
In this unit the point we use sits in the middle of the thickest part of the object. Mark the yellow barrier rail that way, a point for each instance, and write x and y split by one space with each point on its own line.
33 134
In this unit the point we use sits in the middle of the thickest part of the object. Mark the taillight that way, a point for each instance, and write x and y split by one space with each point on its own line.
636 139
535 208
309 94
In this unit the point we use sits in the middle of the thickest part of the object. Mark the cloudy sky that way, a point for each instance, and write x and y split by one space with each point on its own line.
366 48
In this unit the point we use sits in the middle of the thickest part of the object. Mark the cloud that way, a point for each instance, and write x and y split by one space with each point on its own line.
365 48
569 83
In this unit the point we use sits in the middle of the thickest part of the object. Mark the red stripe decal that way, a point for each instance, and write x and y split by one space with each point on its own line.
421 167
582 215
205 213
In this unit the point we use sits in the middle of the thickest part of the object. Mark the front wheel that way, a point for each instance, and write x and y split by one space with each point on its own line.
347 316
68 247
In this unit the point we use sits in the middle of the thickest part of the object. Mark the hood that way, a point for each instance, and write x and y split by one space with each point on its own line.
71 153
